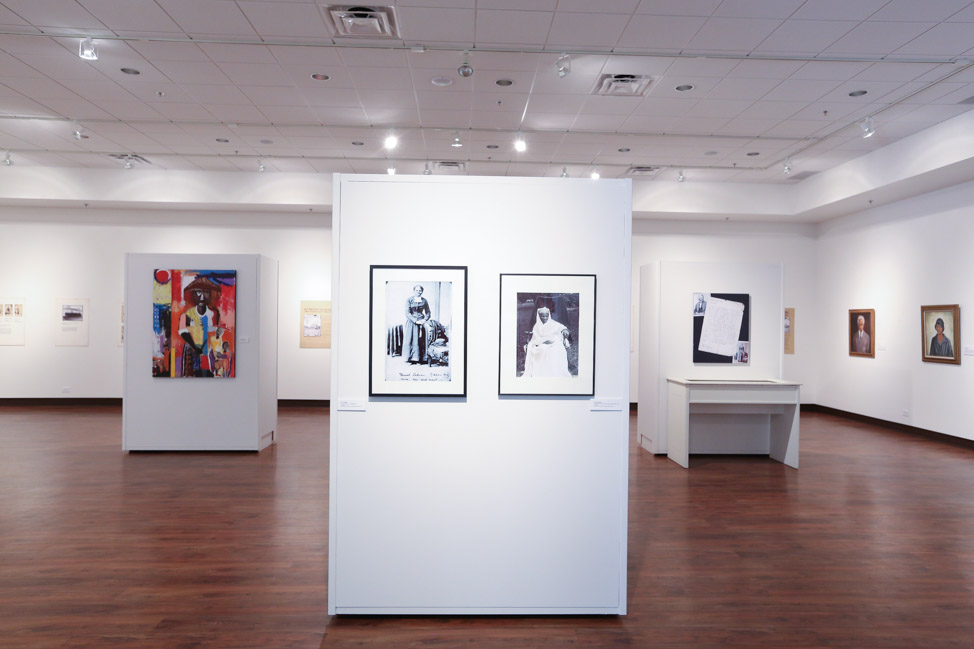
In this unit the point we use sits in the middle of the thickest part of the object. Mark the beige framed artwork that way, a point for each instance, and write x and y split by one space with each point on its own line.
940 331
862 332
315 324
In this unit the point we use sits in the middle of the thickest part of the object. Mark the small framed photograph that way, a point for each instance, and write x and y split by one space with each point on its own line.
940 329
547 335
862 332
417 331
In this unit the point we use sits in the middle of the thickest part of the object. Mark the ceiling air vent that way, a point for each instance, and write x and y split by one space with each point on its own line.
125 157
362 22
622 85
641 171
450 166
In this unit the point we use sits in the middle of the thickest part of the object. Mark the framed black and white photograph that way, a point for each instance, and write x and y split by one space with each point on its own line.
547 335
417 331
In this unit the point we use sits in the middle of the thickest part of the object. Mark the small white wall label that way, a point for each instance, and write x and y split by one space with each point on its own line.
606 404
357 405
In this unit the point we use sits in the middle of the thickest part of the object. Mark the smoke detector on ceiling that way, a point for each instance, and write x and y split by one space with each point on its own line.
622 85
356 21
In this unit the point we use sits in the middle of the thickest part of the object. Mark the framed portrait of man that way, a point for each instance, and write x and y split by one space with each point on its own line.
862 332
418 331
547 335
940 331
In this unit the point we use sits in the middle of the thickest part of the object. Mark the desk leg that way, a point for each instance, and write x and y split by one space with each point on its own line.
784 436
678 426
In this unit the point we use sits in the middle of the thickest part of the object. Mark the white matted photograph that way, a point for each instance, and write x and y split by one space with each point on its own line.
547 335
417 331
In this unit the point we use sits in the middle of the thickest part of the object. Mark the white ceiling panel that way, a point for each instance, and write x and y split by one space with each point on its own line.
742 89
133 110
237 53
330 115
374 58
300 115
583 30
606 6
610 123
70 108
12 67
556 103
167 51
665 106
800 90
548 121
291 20
876 38
577 83
766 69
805 36
214 17
274 95
444 100
719 108
757 8
910 10
379 78
305 55
678 7
436 24
513 27
660 32
192 72
180 111
54 13
393 116
235 113
64 66
495 120
732 34
215 94
838 9
601 105
335 97
947 39
39 88
131 15
252 74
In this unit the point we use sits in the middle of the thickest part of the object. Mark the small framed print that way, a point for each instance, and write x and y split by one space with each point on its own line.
547 335
862 332
417 331
940 331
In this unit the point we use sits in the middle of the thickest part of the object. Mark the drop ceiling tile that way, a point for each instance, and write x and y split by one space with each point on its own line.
39 88
485 81
54 13
667 86
805 36
742 89
399 99
303 115
495 119
305 55
334 116
300 75
120 15
609 123
70 108
393 117
876 38
936 113
252 74
505 60
660 32
26 44
12 67
296 20
732 34
665 106
794 128
373 58
909 10
434 118
100 92
773 109
213 17
701 67
336 97
757 8
604 6
192 72
964 15
381 78
800 90
932 94
654 66
965 92
548 121
436 24
826 111
875 90
132 110
764 69
165 51
150 93
183 111
597 31
65 66
235 113
576 83
524 5
539 103
444 100
499 102
890 71
946 39
678 7
694 124
215 94
513 27
273 95
600 105
725 108
237 53
830 70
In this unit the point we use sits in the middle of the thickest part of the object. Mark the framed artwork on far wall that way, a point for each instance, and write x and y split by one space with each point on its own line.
418 331
940 331
862 332
547 335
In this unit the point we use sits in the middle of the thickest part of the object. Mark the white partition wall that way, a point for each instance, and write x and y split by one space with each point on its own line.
479 504
200 414
666 346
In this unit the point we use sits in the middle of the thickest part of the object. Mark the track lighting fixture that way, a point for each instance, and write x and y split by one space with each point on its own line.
564 172
787 167
563 65
79 132
391 142
456 144
87 50
680 177
426 170
867 126
519 144
6 160
595 174
465 70
260 165
391 170
128 161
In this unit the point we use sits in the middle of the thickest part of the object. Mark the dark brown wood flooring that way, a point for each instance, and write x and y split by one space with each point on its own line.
869 545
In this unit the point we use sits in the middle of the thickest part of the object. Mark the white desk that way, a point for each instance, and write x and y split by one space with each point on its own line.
779 399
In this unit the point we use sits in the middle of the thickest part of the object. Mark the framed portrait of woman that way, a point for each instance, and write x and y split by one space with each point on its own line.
418 331
547 335
940 331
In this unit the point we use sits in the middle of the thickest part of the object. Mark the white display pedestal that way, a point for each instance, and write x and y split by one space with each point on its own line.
198 414
483 504
770 406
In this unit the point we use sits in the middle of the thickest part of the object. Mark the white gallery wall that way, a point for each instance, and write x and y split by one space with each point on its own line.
49 253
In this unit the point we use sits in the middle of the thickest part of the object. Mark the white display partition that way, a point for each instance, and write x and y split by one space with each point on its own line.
483 504
666 343
190 414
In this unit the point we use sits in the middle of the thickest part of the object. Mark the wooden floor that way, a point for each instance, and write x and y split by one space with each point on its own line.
869 545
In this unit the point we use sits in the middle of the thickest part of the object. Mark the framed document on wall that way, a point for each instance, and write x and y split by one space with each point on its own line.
547 335
417 331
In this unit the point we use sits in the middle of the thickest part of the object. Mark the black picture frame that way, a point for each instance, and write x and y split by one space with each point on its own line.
436 361
567 360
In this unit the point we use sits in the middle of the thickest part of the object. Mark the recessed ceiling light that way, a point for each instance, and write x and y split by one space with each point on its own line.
753 153
625 149
391 142
222 140
493 146
267 141
317 76
710 153
858 93
684 87
504 82
130 71
442 82
357 143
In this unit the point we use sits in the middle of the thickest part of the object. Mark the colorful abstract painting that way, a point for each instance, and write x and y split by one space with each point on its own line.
193 323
